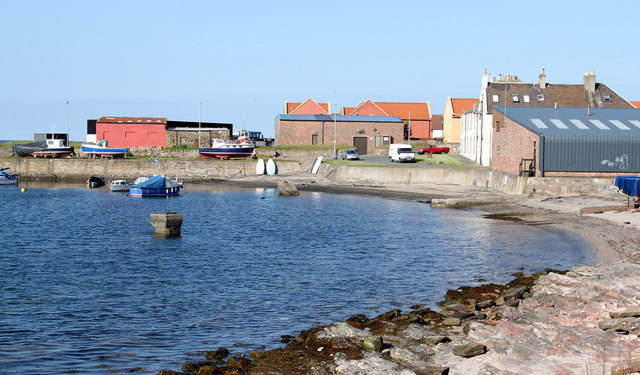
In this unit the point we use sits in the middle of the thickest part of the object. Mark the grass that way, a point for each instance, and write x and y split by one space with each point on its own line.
306 147
422 161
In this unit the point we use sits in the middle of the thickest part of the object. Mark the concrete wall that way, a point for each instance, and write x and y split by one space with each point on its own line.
130 169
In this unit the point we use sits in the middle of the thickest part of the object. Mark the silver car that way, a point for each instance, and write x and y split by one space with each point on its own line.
350 155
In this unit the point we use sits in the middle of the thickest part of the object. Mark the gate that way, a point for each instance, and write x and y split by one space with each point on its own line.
361 145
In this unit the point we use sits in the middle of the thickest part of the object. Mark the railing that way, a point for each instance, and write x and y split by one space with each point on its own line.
527 167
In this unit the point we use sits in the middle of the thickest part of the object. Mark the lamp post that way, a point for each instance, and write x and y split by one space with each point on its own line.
68 137
199 122
335 115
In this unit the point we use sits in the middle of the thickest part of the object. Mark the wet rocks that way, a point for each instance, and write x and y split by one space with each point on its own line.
373 344
287 189
469 350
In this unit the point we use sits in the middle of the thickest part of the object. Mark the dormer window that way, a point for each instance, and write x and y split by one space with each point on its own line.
496 99
607 98
515 98
540 98
525 98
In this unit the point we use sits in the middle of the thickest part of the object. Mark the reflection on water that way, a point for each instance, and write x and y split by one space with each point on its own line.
87 288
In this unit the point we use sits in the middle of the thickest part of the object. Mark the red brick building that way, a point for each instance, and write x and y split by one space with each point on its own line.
418 115
363 132
308 107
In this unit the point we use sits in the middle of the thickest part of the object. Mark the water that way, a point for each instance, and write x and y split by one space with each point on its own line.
86 287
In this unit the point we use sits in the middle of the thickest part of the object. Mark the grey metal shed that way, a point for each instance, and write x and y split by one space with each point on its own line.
582 139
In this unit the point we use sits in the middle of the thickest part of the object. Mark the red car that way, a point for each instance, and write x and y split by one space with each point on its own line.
432 149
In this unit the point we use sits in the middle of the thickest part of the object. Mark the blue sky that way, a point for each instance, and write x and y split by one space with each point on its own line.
244 59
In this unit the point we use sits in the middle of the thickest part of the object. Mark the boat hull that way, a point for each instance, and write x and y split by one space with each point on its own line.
103 151
5 181
227 152
54 153
155 192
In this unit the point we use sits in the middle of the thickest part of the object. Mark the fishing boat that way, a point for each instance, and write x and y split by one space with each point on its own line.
7 177
54 148
119 185
240 148
155 186
100 149
95 181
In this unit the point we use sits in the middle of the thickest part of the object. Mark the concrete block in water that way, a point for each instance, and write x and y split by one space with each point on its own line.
167 224
287 189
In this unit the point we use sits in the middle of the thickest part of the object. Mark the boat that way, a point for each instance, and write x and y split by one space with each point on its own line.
155 186
50 148
7 177
240 148
100 149
95 181
119 185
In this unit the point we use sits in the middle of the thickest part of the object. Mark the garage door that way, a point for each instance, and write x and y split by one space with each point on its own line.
361 145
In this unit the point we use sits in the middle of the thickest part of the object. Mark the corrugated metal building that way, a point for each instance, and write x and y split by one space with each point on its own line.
578 142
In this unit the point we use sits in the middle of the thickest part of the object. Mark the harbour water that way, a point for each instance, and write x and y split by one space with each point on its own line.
86 287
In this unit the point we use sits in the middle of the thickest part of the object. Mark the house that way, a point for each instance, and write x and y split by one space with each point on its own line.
451 117
154 131
566 141
476 134
363 132
635 104
436 126
417 116
308 107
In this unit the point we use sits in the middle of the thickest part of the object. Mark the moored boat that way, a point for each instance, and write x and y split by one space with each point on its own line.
155 186
119 185
95 181
241 148
7 177
100 149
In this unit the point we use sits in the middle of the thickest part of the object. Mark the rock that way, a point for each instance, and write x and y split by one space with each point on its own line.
195 367
431 370
451 322
434 340
217 354
341 330
626 312
515 292
628 367
627 325
499 301
469 350
238 363
373 365
287 189
169 372
513 302
373 343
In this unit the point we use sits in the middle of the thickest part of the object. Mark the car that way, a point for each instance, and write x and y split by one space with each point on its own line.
350 155
432 149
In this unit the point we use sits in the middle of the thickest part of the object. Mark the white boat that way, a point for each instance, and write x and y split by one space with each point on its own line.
241 148
55 148
100 149
119 185
7 178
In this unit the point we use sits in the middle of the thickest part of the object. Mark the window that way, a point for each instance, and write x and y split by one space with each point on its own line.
515 98
496 99
525 98
497 149
540 98
497 126
607 98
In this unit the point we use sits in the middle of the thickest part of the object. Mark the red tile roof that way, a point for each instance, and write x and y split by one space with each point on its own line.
308 107
635 104
133 120
415 111
461 105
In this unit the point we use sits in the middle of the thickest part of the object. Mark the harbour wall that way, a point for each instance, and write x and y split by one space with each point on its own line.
130 169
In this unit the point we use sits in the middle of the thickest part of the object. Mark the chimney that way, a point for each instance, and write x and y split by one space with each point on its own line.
485 79
590 82
543 79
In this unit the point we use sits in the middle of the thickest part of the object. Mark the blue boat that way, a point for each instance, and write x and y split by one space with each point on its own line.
100 149
7 177
155 186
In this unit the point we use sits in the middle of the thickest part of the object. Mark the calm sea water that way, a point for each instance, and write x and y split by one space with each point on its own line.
86 287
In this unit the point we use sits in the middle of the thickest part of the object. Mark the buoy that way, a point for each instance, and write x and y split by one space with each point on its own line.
23 190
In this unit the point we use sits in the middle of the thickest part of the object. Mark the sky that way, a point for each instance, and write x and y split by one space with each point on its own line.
244 59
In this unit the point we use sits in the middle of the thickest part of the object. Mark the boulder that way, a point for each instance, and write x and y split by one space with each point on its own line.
469 350
626 312
287 189
451 322
373 344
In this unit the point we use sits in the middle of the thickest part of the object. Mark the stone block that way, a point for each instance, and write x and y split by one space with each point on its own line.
167 224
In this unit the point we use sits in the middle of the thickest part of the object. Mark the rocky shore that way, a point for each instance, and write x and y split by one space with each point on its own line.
582 321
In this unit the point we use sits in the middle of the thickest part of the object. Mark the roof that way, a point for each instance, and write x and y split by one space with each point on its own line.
462 105
307 106
552 95
137 120
404 110
436 122
341 118
635 104
575 121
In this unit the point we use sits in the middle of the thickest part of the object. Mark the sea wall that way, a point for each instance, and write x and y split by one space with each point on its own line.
191 170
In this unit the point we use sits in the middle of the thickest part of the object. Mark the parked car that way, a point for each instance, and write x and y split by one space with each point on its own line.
350 155
433 149
400 152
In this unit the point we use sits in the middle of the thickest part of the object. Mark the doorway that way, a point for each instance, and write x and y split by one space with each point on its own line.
361 145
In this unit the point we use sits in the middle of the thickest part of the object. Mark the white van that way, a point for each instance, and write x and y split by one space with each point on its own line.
401 152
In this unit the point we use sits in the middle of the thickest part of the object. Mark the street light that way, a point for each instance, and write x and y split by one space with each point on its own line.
68 137
335 115
199 122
